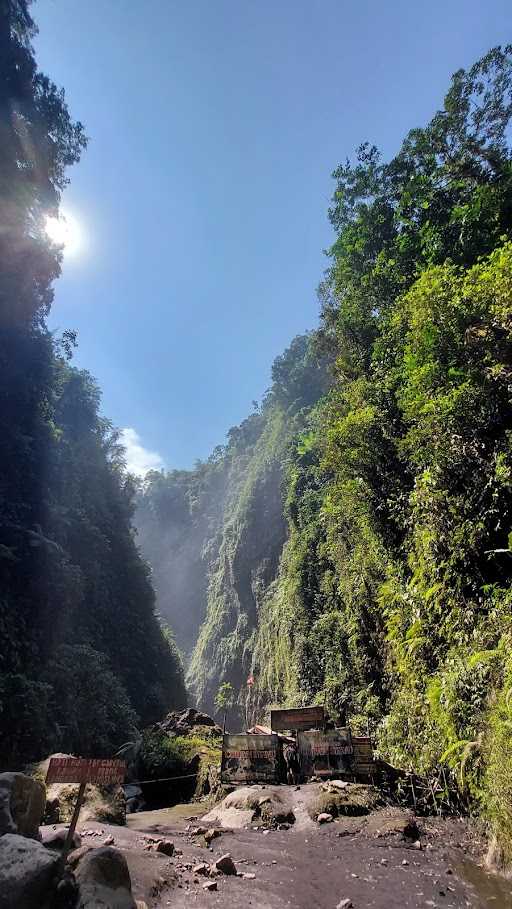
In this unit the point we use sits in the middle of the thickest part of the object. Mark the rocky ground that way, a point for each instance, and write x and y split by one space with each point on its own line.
377 860
329 845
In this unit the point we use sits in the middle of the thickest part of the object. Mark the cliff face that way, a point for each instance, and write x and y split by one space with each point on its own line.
215 535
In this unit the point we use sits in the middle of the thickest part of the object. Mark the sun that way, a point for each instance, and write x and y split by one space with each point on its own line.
64 231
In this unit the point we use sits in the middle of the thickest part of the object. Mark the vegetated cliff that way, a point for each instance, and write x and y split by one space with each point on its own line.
215 535
390 599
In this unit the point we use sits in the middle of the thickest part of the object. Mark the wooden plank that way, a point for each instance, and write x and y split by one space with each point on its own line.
297 718
100 771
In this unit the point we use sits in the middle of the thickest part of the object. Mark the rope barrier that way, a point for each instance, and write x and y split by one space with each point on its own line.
164 779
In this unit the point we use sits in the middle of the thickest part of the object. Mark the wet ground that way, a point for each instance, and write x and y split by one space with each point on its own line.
492 889
165 817
361 859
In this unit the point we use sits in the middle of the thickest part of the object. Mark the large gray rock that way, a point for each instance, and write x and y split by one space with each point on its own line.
104 880
22 804
27 872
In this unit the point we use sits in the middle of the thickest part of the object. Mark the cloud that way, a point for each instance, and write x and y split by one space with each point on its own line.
139 459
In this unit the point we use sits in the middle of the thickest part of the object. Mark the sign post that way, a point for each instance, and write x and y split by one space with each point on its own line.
74 820
83 771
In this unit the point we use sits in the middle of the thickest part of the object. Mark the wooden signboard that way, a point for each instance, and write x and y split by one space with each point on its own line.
326 753
297 718
85 770
250 759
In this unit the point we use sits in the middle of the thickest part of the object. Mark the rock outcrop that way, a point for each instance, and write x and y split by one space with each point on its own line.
189 722
22 804
268 806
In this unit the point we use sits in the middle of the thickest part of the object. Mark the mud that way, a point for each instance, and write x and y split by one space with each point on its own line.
492 889
364 859
164 817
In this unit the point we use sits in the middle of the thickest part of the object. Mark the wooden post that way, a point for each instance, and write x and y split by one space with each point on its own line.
72 827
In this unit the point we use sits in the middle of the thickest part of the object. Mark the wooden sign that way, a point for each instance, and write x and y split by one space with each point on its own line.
250 759
325 753
86 770
297 718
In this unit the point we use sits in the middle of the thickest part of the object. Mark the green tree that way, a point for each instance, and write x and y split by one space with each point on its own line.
78 632
225 699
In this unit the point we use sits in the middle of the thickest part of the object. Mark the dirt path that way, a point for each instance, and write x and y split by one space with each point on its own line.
321 869
362 859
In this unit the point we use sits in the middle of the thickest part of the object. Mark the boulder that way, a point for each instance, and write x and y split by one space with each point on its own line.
324 817
225 864
166 847
27 872
55 839
272 806
104 880
22 804
183 722
393 822
354 799
202 868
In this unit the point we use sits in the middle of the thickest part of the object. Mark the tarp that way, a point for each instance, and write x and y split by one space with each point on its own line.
266 730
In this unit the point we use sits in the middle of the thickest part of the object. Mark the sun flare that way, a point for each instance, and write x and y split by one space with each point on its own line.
64 231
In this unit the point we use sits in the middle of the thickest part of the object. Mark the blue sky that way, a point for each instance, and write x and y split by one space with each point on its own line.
214 127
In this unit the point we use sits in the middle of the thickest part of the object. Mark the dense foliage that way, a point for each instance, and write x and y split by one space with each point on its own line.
394 591
82 656
391 601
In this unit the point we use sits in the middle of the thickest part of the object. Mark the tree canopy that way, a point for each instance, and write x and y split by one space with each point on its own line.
82 655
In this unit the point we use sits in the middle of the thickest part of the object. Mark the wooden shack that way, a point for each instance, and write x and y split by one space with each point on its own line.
323 751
